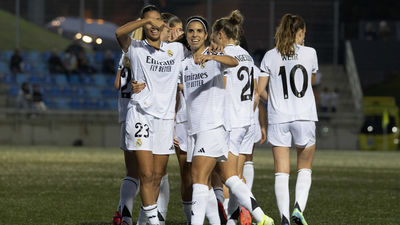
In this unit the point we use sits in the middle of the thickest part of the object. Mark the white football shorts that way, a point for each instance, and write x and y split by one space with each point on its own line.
181 134
146 132
257 132
212 143
302 132
241 140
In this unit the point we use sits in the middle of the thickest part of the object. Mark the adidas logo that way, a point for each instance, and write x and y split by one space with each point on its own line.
172 148
201 150
186 68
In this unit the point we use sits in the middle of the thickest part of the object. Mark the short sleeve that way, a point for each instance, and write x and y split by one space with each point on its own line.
258 73
134 44
315 62
264 66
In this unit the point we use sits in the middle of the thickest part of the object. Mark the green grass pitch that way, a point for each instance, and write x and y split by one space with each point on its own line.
60 185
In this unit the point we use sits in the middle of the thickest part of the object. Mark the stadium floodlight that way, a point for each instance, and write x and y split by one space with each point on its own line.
370 128
99 41
87 39
78 36
394 129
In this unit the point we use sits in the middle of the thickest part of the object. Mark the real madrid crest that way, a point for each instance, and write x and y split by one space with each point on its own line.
170 53
203 65
138 142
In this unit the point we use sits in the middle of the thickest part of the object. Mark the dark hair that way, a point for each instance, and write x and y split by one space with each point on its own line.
231 25
285 36
148 8
205 25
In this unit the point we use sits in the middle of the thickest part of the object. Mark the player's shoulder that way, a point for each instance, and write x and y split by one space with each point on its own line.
272 52
307 49
271 55
233 49
174 45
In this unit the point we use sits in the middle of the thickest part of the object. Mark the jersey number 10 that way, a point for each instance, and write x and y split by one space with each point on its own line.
299 94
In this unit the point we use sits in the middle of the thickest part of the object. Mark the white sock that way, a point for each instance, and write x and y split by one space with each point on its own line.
199 203
212 209
151 214
282 193
303 185
187 210
142 218
244 197
248 173
219 194
127 196
163 199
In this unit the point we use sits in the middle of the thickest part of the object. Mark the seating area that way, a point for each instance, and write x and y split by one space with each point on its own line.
60 91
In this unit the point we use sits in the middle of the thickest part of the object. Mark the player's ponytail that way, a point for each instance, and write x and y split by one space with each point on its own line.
285 36
231 25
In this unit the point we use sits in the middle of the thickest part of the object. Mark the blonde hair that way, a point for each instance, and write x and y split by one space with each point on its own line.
138 33
231 25
285 36
126 62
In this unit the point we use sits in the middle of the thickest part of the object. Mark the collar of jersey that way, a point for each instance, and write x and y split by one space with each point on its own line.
148 44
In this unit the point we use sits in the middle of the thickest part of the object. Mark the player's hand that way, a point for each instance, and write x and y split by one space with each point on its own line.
157 23
201 59
137 87
263 135
176 143
215 49
176 34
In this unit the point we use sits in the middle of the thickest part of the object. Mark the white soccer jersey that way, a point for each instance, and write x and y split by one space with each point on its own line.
125 90
240 87
159 69
290 94
204 90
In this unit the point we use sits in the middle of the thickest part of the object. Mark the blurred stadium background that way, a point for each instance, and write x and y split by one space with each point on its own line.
357 43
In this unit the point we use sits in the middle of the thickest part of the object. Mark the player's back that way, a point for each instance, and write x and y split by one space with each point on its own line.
240 87
290 92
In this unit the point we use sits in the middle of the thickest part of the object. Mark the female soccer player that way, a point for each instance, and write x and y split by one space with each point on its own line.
173 33
130 184
150 117
291 112
241 88
203 86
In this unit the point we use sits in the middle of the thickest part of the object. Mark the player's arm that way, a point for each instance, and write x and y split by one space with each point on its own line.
313 78
256 95
122 32
263 121
117 81
262 88
226 60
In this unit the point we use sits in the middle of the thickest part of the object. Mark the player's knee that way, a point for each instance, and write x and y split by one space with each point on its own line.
146 177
